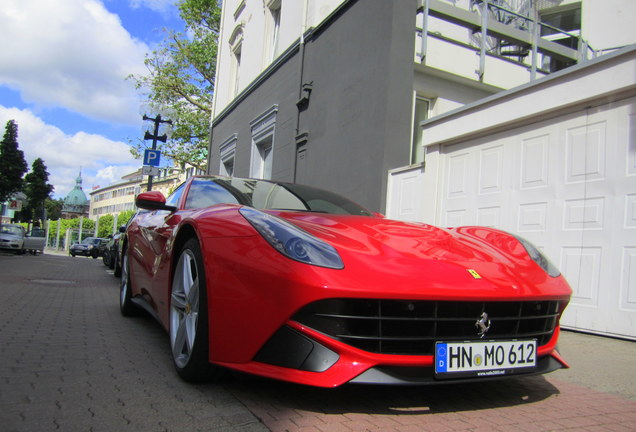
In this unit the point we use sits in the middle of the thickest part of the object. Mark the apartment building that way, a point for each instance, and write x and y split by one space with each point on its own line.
513 114
120 196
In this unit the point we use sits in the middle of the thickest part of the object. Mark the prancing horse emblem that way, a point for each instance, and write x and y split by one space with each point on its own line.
483 325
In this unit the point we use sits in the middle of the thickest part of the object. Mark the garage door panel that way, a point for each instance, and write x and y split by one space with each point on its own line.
582 268
628 279
455 218
491 170
584 214
630 211
532 217
534 162
489 216
585 152
459 173
567 184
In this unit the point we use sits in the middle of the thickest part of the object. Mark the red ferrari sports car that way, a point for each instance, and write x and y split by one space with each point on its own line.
294 283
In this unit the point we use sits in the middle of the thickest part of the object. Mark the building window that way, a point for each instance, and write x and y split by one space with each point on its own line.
228 151
421 109
236 46
554 22
263 136
272 29
262 166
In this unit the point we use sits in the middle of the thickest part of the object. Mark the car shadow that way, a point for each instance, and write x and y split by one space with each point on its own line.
256 392
380 399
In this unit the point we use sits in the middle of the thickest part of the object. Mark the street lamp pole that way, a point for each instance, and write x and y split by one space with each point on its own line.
155 137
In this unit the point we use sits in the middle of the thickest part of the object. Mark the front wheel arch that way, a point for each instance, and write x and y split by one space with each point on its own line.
126 306
188 315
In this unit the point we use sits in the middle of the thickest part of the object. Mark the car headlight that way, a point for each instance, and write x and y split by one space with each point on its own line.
291 241
538 257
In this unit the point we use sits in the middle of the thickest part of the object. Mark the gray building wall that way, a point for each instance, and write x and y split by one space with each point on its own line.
358 120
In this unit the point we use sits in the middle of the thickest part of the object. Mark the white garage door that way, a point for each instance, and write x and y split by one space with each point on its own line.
569 186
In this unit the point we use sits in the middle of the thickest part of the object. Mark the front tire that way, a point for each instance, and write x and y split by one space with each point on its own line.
189 316
126 306
115 265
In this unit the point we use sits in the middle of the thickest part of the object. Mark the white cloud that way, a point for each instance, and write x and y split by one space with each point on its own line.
71 53
102 161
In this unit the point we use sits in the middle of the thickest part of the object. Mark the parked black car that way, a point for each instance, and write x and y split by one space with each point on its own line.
110 254
88 247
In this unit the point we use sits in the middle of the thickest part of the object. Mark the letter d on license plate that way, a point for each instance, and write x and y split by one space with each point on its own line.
484 358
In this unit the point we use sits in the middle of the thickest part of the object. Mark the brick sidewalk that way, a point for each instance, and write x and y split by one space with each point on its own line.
69 361
521 404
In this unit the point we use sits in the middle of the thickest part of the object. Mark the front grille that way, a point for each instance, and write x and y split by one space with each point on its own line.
413 327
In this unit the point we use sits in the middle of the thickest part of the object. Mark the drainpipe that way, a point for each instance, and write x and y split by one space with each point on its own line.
301 55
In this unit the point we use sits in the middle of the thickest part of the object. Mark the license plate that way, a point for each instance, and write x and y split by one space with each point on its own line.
483 359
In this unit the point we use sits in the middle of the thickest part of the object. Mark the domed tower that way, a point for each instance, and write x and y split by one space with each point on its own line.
75 204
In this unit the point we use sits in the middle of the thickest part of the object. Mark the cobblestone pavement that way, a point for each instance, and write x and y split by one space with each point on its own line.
70 362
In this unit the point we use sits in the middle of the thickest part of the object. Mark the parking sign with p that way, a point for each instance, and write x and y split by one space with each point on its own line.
152 157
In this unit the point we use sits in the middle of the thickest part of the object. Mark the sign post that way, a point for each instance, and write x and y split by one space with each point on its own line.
152 157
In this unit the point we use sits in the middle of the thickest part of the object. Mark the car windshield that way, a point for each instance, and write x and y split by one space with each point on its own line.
266 195
11 229
37 232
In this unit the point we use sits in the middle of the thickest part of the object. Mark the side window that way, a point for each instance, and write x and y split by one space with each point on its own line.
175 197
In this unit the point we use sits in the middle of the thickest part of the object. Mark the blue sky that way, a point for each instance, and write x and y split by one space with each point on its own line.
62 78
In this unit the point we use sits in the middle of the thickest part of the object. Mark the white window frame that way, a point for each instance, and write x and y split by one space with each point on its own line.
227 151
272 36
263 137
236 47
416 145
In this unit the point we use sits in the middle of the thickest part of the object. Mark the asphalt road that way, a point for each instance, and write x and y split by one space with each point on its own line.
70 362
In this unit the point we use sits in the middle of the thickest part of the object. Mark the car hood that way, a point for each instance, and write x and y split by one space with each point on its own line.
398 253
8 236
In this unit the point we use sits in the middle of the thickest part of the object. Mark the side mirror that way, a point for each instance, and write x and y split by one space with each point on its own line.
153 200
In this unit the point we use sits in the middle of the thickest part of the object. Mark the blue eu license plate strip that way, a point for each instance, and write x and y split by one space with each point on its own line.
484 358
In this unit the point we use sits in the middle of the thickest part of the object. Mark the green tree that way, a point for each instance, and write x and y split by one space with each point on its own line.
105 226
37 190
12 163
124 217
53 208
181 79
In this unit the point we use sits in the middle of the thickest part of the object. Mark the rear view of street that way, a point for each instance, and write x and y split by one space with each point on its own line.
70 362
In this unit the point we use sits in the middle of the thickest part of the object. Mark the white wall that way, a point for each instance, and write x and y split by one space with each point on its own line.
296 16
608 23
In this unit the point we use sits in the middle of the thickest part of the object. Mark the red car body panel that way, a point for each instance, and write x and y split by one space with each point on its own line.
253 290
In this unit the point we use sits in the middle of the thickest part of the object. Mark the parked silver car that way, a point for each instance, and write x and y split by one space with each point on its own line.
12 237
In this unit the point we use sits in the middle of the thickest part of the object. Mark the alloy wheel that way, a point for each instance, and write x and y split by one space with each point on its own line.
184 308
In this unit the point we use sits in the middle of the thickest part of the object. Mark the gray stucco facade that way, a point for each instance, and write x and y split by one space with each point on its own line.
357 122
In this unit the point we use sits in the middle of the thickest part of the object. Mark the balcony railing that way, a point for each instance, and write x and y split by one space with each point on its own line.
495 30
